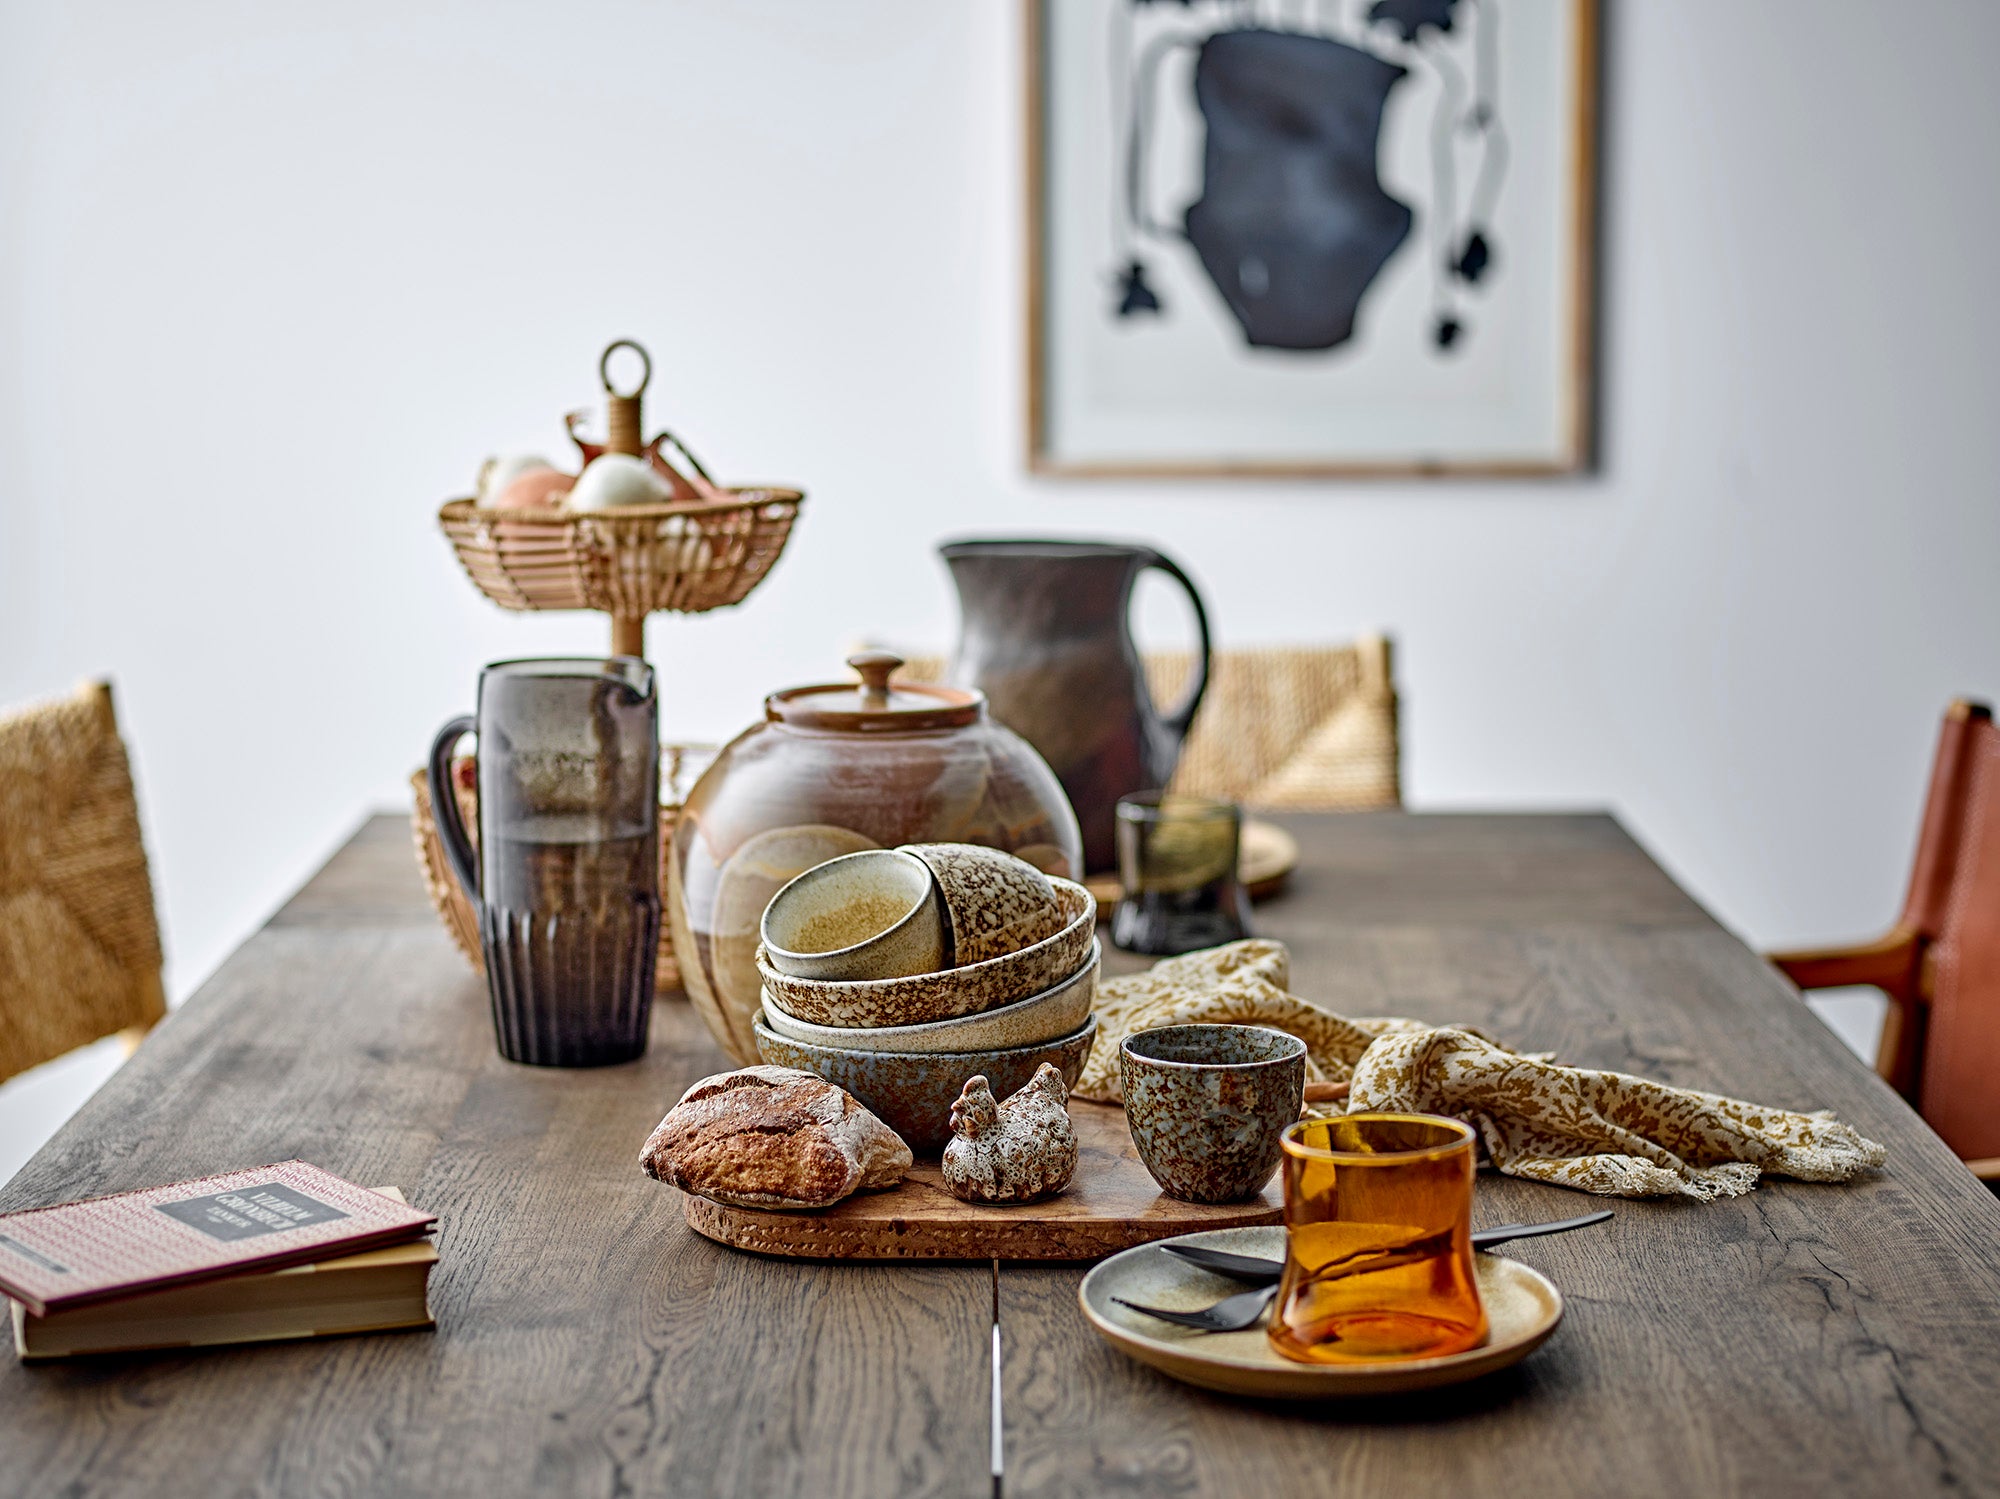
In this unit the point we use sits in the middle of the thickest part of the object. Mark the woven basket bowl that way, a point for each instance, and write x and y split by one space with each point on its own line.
456 912
687 557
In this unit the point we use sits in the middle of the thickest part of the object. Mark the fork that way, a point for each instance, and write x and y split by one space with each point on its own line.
1231 1314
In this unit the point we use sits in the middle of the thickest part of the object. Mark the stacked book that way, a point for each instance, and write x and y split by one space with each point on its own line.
284 1251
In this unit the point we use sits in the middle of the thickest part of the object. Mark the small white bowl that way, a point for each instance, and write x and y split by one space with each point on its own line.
1049 1016
875 914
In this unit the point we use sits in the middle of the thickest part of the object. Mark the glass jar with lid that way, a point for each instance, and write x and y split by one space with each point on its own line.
833 769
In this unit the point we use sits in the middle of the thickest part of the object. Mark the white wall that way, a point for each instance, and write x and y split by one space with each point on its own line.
274 279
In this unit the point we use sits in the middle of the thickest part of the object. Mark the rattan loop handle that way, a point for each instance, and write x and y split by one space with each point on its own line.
645 369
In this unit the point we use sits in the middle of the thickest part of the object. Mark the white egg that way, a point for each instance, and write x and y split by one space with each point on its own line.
495 474
614 479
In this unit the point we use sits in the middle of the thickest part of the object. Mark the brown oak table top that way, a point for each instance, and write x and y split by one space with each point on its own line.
1801 1340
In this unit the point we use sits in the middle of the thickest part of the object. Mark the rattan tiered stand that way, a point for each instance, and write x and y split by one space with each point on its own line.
705 548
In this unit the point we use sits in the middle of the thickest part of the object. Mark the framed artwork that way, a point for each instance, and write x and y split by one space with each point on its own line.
1296 237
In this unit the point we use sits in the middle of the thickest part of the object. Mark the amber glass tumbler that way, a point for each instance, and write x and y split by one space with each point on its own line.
1378 1256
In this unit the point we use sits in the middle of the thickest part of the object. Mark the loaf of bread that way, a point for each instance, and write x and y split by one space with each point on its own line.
773 1137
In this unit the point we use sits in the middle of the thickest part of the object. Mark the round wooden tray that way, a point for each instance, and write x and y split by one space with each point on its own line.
1265 859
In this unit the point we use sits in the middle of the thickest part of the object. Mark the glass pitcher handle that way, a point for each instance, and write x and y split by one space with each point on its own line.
1182 716
444 807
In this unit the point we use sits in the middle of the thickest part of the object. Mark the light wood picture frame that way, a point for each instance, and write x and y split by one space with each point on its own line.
1298 238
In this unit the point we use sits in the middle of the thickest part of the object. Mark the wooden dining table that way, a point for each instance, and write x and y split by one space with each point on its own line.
1803 1339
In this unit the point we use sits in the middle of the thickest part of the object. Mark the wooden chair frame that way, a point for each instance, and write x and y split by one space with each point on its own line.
1900 962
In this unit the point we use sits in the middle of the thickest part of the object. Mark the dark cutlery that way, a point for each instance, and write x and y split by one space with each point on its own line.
1257 1270
1486 1238
1231 1314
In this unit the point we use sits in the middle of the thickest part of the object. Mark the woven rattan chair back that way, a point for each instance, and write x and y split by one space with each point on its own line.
79 942
1302 729
1309 729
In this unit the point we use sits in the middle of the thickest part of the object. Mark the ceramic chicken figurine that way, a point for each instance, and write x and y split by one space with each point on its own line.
1015 1151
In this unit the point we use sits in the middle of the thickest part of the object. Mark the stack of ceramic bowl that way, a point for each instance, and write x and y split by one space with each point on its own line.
900 973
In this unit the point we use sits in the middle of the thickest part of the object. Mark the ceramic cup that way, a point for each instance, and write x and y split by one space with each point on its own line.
868 915
996 903
1208 1105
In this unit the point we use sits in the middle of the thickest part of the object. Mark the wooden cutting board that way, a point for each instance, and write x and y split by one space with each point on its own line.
1111 1204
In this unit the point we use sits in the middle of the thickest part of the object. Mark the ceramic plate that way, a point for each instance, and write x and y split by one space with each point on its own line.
1522 1309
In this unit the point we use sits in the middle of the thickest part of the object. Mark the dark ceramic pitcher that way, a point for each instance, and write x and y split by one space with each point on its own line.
1045 633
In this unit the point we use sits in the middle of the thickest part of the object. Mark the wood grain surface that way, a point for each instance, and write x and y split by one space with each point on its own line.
1111 1204
1802 1340
587 1342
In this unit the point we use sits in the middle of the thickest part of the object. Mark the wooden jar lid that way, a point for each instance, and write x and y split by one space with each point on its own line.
874 706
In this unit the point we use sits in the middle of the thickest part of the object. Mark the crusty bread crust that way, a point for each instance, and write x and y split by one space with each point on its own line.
773 1137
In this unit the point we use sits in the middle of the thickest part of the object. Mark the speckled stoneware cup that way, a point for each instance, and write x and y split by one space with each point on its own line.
942 996
1208 1105
997 903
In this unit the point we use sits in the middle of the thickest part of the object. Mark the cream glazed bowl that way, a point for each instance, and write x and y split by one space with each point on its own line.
875 914
926 997
1048 1016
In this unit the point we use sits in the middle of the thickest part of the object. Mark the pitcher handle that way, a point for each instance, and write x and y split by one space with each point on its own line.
444 806
1183 716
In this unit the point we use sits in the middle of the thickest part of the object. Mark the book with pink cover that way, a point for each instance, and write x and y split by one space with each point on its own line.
79 1252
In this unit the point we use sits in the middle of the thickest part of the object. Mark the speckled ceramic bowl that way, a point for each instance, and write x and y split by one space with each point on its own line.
995 903
1047 1016
1208 1105
927 997
912 1092
875 914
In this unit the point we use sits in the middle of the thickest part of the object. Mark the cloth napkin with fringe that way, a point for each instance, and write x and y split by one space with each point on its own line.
1603 1132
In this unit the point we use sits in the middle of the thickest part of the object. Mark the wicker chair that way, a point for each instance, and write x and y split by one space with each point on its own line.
79 942
1293 730
1940 963
1309 729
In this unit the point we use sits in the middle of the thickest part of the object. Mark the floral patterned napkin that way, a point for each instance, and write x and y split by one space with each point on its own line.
1604 1132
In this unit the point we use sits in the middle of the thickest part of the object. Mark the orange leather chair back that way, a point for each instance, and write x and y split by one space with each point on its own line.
1954 904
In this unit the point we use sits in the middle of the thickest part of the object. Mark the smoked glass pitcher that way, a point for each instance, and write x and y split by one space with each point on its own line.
566 875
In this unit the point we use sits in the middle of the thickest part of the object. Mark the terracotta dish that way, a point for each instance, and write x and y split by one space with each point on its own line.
926 997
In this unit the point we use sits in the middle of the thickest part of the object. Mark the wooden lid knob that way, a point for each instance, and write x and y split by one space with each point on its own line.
876 667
